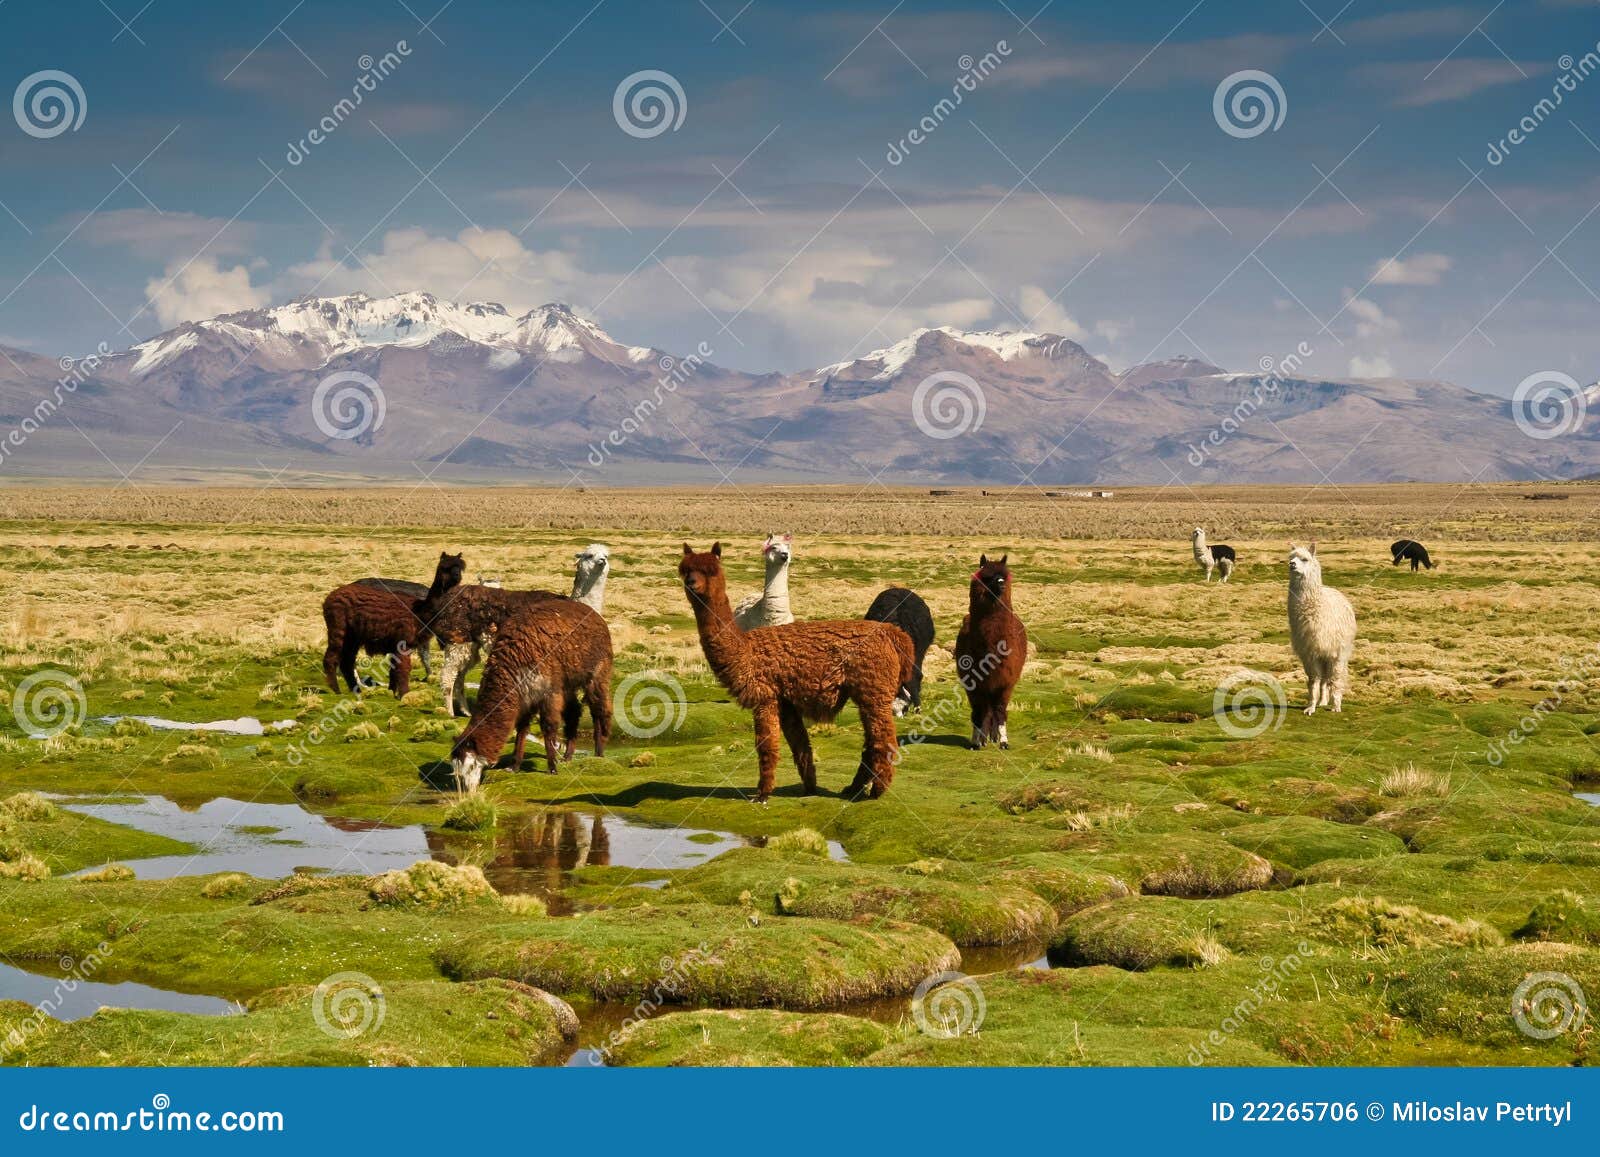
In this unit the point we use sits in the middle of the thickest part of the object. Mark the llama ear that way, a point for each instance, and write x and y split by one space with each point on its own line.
716 549
1004 557
687 550
788 538
1313 548
983 561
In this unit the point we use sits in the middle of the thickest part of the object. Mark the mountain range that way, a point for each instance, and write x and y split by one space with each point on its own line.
411 385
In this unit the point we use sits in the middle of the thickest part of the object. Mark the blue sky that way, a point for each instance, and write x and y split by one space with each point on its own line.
1083 186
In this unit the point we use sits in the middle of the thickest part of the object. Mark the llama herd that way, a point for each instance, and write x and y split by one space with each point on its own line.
549 655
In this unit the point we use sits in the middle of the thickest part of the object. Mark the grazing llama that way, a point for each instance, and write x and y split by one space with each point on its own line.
362 616
409 590
1322 629
906 610
771 607
788 674
991 648
466 623
1212 556
1408 549
542 661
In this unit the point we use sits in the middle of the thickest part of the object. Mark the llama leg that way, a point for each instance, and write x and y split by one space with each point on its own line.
598 696
524 721
794 733
1314 682
1341 680
550 712
330 666
880 749
768 729
449 672
347 665
422 653
571 717
400 673
980 711
1001 713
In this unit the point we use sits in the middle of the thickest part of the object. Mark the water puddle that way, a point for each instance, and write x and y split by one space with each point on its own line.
67 997
534 852
265 840
1591 798
244 725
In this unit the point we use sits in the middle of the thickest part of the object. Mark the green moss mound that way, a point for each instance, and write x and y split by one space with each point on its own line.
1562 915
1140 933
1300 841
706 955
744 1037
412 1023
429 884
1378 923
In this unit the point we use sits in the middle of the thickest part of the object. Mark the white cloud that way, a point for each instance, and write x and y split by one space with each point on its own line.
1048 316
1371 321
1373 367
1423 269
190 291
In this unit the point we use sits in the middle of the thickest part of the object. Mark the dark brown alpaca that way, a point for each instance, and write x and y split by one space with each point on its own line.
465 623
786 675
543 659
362 617
991 647
409 590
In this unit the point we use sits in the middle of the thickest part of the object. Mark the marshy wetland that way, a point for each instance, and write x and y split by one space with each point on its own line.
1152 874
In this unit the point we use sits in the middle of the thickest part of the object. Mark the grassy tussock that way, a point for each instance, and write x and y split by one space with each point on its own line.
1410 782
429 884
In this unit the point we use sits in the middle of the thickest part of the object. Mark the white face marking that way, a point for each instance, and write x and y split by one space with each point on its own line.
468 771
902 704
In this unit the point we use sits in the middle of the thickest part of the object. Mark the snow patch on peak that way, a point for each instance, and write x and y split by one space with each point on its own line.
892 359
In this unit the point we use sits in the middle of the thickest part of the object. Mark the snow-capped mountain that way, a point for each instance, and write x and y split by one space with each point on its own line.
472 390
316 330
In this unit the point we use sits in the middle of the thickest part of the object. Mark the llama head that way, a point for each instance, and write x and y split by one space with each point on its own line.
778 550
449 572
467 768
992 579
702 574
589 581
1199 534
1303 564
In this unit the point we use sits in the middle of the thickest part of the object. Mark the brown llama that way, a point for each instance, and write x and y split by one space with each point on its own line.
364 617
408 590
991 648
543 659
788 674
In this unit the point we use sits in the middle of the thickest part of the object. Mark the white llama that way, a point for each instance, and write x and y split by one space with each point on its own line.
589 583
1210 557
1322 629
771 607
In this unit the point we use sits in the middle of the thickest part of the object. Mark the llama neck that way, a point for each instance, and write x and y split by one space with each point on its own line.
1305 590
720 637
590 590
776 592
980 605
1202 552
